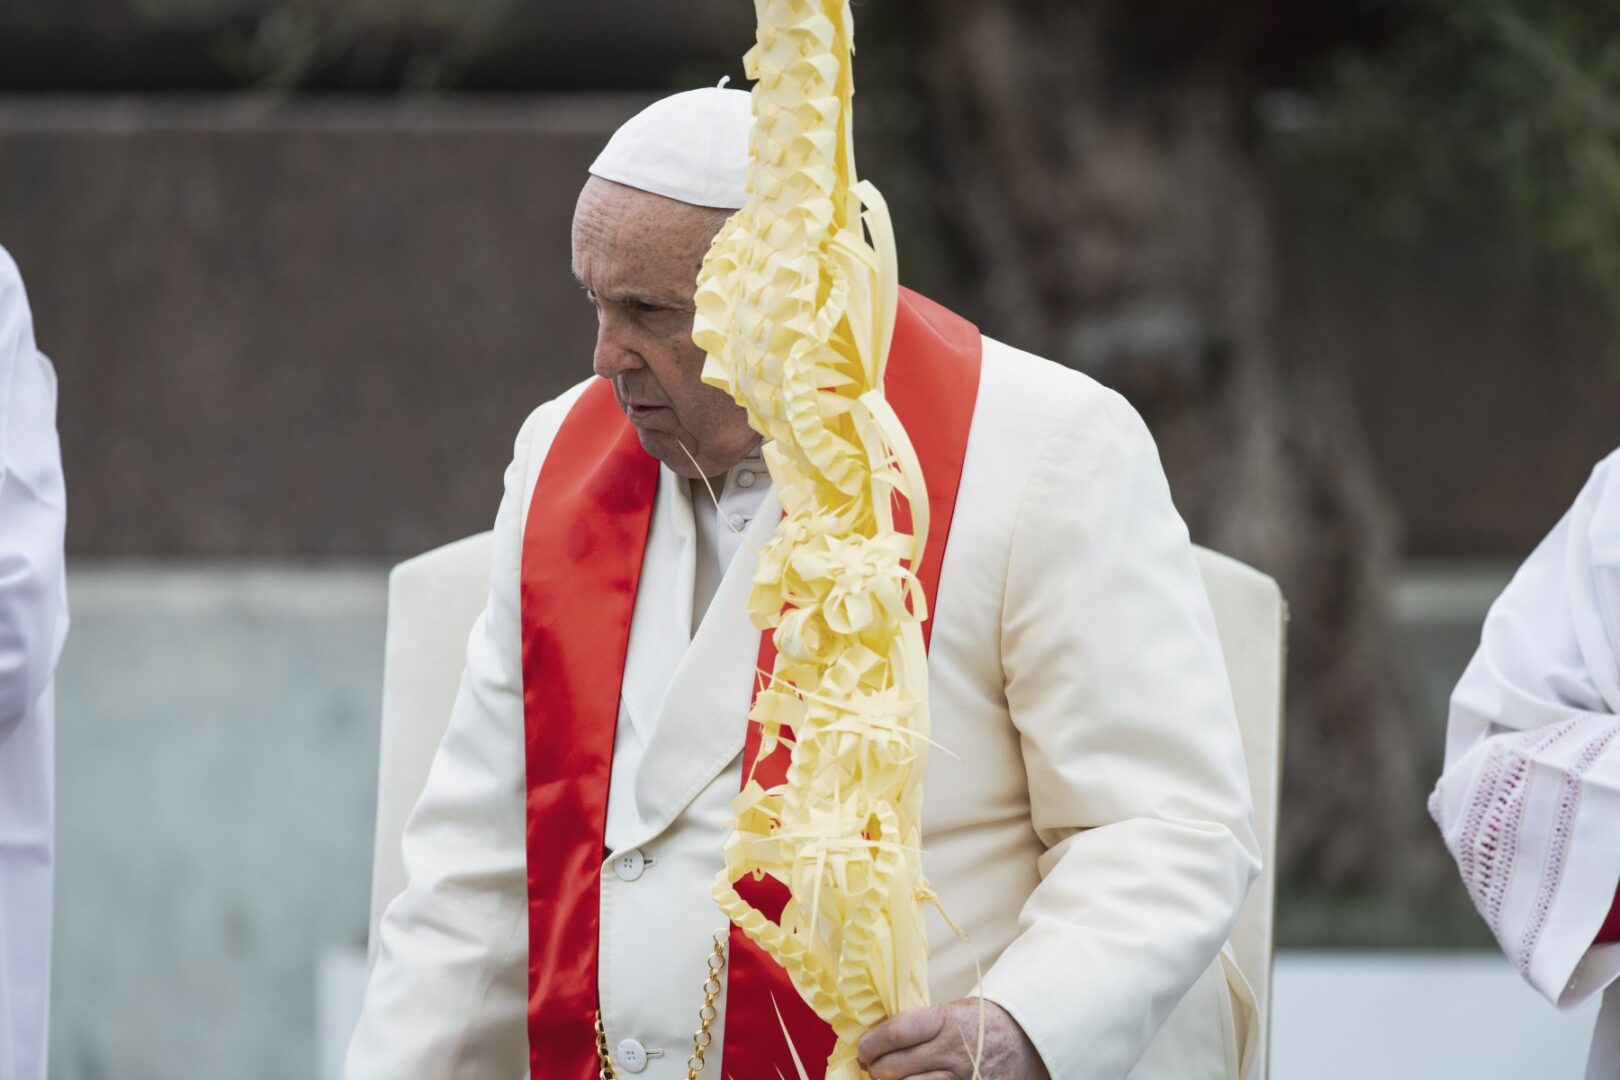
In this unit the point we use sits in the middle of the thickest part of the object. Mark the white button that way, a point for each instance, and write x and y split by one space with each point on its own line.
737 521
745 479
629 867
632 1055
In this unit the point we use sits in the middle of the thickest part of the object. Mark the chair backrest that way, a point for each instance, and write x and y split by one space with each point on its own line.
434 599
1252 619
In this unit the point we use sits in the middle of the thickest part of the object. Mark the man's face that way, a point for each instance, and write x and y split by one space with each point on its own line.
637 256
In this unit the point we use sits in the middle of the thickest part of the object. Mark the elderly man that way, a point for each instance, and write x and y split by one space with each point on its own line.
1529 802
33 624
1086 821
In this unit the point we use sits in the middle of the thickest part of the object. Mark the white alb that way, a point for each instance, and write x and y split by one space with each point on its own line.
1529 802
33 624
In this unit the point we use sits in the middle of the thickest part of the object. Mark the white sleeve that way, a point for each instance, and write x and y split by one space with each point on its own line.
33 509
1137 783
1529 802
447 997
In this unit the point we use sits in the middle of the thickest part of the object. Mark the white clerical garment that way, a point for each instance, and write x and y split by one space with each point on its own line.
1086 819
33 624
1529 801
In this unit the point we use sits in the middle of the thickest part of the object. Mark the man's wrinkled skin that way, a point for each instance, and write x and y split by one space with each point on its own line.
938 1042
637 255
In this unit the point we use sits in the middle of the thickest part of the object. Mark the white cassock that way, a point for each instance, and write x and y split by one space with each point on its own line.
33 624
1529 802
1092 832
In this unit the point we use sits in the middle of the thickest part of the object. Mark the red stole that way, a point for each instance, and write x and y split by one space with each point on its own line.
582 555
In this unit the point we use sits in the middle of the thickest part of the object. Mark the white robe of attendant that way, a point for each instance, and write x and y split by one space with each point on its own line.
33 624
1529 802
1091 833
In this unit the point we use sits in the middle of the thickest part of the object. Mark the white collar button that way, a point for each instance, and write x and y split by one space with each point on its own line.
632 1056
629 866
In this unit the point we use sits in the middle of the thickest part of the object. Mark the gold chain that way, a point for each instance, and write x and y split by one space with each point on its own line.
602 1051
701 1038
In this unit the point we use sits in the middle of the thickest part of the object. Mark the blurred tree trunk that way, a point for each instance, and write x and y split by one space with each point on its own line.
1113 215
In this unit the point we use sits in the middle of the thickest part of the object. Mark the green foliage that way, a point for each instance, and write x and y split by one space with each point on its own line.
288 44
1485 109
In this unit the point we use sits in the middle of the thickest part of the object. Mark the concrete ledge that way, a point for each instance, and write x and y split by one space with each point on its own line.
102 589
216 789
1418 1016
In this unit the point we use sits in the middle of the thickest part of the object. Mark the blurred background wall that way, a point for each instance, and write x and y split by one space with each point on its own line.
302 267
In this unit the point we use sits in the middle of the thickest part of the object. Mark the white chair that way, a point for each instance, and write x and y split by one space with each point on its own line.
434 599
1252 619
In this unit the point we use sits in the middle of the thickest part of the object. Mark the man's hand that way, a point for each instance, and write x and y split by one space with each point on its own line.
938 1042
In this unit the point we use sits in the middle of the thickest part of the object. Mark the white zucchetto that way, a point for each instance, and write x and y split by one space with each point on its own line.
692 147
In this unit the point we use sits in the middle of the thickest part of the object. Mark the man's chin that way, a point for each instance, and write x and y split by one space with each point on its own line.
667 449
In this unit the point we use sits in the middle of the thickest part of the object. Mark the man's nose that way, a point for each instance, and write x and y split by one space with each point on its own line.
611 357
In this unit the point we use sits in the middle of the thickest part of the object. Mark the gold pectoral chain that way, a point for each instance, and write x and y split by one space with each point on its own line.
701 1038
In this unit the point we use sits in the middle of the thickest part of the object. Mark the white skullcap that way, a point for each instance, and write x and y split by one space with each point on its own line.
691 146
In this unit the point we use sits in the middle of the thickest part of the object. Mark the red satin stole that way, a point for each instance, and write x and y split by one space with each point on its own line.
1610 931
582 552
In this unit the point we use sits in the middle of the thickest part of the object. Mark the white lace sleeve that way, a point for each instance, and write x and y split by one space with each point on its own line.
1529 802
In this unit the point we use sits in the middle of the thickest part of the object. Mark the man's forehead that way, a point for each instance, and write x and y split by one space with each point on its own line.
633 240
602 201
620 279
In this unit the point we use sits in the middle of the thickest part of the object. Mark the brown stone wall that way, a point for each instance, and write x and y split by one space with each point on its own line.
300 329
296 330
312 329
1488 376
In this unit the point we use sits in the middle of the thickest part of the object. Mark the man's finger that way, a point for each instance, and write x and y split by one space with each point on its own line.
930 1059
910 1028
